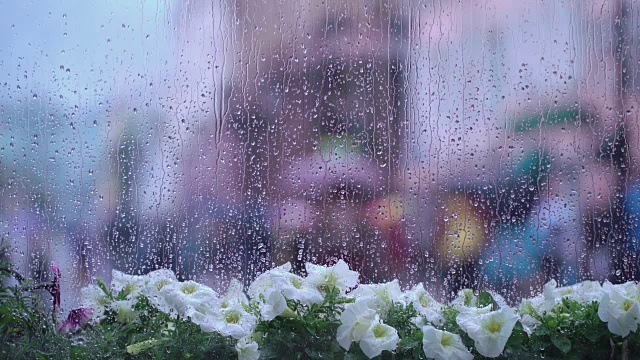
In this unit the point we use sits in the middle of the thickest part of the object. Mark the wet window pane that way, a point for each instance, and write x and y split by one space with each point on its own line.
489 144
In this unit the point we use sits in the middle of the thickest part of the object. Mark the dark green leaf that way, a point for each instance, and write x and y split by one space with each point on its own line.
562 343
485 299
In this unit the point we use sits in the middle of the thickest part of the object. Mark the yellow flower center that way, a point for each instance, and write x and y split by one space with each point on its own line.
331 280
233 317
130 288
447 340
424 300
627 305
161 283
189 288
494 326
379 331
296 283
565 292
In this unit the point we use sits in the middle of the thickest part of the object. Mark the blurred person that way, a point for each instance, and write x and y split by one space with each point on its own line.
556 239
473 69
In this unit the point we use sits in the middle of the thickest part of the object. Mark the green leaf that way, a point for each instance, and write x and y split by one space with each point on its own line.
104 288
518 338
5 315
562 343
311 330
541 330
485 299
408 343
592 336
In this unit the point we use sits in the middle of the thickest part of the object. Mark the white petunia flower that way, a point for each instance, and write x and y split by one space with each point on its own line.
95 299
543 303
297 288
425 304
380 297
355 320
619 307
232 321
538 305
156 281
585 292
338 276
550 296
290 285
190 299
529 309
264 281
466 313
465 299
468 300
490 331
235 295
133 284
247 349
274 304
124 310
267 292
231 318
379 337
443 345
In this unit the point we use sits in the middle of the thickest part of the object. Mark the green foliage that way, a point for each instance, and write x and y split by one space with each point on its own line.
311 334
410 347
28 330
573 331
153 335
485 299
308 335
27 327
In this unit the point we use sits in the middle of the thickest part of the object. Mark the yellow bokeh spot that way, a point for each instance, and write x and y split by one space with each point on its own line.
463 233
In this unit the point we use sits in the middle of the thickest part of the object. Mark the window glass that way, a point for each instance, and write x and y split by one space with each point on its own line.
489 144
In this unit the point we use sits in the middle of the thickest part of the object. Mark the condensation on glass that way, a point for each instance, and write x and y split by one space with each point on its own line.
489 144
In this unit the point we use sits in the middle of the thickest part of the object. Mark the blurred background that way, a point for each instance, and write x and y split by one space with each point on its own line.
489 144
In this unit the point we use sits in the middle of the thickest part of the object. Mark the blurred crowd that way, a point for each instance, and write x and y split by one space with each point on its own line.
490 144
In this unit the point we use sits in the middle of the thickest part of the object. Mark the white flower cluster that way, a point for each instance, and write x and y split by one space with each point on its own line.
619 305
127 288
362 321
490 329
229 315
